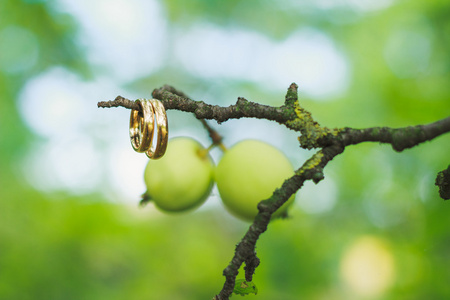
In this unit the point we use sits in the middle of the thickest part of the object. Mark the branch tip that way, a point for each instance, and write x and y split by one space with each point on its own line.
443 182
291 96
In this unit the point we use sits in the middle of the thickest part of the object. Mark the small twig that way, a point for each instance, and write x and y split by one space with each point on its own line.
213 134
145 199
119 101
251 263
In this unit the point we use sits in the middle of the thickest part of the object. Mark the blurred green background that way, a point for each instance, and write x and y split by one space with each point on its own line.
70 226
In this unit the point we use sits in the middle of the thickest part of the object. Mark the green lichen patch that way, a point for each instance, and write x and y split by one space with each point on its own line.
312 132
311 163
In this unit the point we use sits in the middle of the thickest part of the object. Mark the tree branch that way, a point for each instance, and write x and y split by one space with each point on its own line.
291 115
119 101
242 108
331 141
399 138
245 250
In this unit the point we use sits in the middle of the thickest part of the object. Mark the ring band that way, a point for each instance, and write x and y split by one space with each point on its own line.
162 134
142 126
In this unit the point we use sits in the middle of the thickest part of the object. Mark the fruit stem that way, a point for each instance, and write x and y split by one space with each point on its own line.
213 134
145 199
222 147
219 144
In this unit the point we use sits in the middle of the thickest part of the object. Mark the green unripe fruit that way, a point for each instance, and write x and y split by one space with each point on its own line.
250 172
183 178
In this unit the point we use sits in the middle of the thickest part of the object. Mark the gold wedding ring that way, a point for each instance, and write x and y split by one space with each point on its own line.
162 134
142 128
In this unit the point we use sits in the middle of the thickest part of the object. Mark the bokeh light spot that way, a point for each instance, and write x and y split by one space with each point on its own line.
126 38
51 104
126 174
368 267
70 164
310 58
307 57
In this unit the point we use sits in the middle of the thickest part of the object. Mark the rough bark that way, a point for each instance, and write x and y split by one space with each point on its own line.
330 142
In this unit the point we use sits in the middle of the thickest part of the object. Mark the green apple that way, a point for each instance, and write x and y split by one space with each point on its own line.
183 178
250 172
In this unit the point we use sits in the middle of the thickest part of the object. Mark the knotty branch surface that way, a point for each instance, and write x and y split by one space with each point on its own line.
443 182
331 142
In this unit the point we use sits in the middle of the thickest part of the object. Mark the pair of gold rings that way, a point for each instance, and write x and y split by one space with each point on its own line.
142 128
